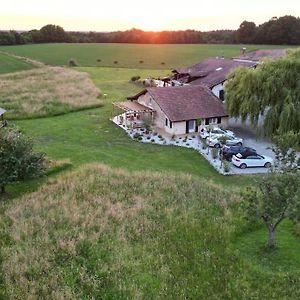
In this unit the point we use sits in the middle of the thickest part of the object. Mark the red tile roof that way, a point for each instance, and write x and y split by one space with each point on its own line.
213 71
186 102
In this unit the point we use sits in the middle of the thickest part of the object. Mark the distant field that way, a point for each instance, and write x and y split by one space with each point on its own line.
10 64
127 55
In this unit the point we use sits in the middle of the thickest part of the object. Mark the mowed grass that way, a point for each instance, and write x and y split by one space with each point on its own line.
46 91
128 55
10 64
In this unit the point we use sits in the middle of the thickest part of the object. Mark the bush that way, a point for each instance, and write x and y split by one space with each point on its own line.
136 135
72 62
214 153
116 62
204 144
148 137
98 60
140 138
141 61
159 136
135 78
163 63
226 166
152 140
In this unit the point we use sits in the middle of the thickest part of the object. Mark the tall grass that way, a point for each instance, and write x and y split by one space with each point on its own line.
100 233
46 91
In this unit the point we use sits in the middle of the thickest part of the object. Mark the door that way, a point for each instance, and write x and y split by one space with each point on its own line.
190 126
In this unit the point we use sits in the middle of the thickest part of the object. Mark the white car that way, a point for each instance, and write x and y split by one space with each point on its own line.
214 141
216 132
254 160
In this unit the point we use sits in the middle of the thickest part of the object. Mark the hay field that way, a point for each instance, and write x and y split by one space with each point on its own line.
102 233
47 91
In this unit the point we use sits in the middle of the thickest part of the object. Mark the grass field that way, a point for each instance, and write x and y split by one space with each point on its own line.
166 226
10 64
100 233
127 55
46 91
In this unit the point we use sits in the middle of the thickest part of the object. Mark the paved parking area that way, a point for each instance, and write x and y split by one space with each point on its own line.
252 140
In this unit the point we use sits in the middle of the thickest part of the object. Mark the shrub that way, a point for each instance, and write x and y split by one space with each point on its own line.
136 135
116 62
204 144
148 137
141 61
214 153
152 140
72 62
98 60
226 166
163 63
135 78
155 133
159 136
140 138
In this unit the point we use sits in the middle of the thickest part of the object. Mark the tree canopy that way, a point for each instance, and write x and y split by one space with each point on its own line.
271 90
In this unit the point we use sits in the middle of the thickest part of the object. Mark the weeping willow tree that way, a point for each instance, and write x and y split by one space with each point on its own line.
272 90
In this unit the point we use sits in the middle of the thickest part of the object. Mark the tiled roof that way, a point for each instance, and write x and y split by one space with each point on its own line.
187 102
213 71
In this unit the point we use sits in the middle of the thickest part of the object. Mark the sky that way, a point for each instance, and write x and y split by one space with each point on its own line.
110 15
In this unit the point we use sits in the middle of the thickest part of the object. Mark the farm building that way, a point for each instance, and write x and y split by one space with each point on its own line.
176 110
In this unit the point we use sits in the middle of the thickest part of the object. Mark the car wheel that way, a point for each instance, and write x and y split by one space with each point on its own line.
217 145
268 165
243 166
239 144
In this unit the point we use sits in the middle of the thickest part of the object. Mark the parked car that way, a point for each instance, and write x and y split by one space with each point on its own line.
254 160
215 141
227 152
217 132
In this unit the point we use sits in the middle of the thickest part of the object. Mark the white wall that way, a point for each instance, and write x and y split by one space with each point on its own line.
217 88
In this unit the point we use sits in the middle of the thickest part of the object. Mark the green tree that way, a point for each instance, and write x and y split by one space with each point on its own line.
53 33
246 32
278 194
18 161
277 198
271 90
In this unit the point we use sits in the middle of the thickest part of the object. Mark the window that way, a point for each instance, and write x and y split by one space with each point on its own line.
222 95
166 121
207 121
219 120
171 124
213 121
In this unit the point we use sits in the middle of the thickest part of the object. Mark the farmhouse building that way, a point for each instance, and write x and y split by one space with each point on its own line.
211 72
181 110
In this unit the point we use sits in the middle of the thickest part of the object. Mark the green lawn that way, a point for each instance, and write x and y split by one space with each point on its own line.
10 64
127 55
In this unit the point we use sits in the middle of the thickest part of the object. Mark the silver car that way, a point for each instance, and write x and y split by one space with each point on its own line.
216 141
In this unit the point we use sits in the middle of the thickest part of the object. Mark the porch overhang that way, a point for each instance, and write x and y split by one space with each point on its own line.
133 107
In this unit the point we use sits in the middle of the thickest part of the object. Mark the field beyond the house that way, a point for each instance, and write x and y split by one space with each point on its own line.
128 55
10 64
46 91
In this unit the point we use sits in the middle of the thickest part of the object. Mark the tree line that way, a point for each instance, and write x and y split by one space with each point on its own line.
284 30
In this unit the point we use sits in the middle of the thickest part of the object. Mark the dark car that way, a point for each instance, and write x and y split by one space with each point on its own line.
228 152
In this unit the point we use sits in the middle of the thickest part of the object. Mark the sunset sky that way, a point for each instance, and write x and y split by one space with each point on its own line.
110 15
